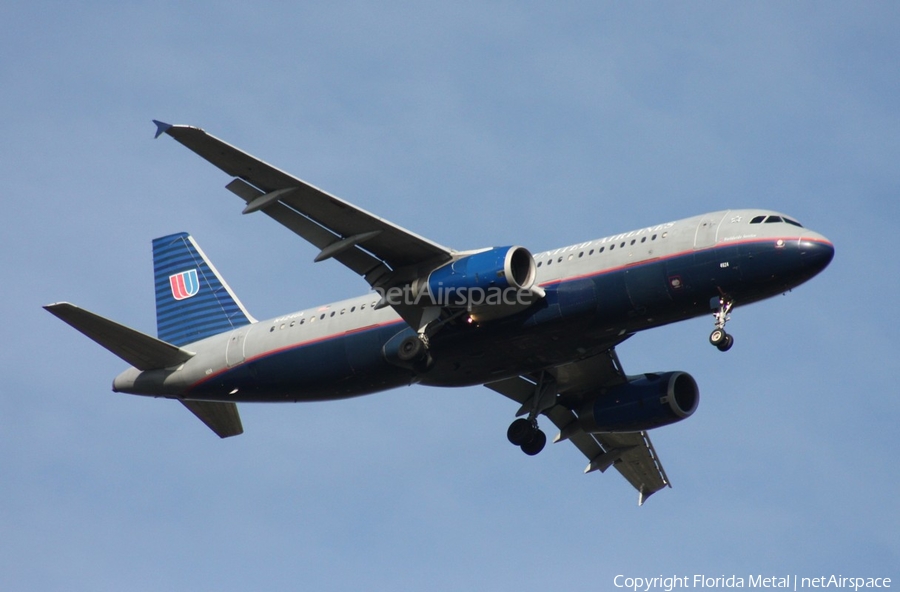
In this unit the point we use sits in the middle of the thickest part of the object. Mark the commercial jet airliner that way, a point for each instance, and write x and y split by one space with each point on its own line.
540 329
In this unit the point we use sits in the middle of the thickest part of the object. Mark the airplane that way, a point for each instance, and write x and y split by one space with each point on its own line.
540 329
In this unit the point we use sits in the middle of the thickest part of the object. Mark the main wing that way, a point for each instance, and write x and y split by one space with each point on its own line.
631 454
381 252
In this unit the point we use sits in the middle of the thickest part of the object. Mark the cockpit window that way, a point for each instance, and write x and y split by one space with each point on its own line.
774 220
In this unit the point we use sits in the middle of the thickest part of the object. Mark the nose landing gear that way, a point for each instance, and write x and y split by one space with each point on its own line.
719 338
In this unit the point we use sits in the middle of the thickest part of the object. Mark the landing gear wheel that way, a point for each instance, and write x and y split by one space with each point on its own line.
718 337
726 344
536 444
521 431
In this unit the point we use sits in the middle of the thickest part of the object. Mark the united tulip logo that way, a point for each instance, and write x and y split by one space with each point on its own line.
184 284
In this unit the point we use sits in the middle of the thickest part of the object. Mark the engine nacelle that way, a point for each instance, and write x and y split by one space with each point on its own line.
476 276
643 403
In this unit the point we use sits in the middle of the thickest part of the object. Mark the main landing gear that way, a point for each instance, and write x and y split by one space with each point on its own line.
524 432
719 338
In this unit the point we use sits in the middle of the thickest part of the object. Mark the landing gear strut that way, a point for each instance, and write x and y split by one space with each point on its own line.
719 338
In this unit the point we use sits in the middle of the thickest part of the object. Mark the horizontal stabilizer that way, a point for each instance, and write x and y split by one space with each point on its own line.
138 349
222 418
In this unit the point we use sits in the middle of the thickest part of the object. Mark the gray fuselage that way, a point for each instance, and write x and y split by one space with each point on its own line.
597 293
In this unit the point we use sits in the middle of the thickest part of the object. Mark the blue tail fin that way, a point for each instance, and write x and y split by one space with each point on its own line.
192 300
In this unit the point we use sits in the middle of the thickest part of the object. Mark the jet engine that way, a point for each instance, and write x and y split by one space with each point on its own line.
644 402
478 275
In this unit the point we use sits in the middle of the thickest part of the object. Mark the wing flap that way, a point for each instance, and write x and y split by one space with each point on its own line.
358 260
637 461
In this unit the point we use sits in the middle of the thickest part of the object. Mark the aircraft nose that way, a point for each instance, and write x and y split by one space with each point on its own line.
817 253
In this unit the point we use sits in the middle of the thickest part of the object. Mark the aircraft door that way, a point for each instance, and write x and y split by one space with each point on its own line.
234 351
708 229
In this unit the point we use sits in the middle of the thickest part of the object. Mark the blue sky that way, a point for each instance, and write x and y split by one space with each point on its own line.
473 124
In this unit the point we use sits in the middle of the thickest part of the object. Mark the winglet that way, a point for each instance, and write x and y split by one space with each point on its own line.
161 128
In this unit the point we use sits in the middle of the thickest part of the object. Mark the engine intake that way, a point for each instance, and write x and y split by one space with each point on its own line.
643 403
